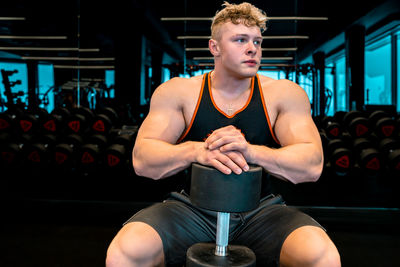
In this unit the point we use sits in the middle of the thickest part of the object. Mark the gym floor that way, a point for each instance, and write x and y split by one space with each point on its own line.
62 220
77 233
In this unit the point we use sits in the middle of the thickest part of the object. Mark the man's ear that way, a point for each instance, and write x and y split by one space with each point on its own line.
214 48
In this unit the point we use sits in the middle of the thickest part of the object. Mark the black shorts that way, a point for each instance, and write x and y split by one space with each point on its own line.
180 225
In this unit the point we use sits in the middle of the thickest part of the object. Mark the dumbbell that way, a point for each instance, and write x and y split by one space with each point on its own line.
383 124
10 152
338 156
54 123
339 115
357 123
394 161
8 118
212 190
89 155
27 122
79 120
36 153
368 157
11 145
332 127
390 149
6 122
398 126
65 152
104 120
118 153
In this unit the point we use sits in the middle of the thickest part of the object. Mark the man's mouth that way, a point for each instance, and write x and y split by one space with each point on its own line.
251 62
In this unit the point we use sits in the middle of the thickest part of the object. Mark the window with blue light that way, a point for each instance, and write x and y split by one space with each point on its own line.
330 90
378 79
274 74
306 82
19 90
194 73
398 70
166 74
46 88
201 72
110 82
341 92
184 75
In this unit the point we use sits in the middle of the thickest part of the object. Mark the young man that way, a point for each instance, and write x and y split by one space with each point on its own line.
227 119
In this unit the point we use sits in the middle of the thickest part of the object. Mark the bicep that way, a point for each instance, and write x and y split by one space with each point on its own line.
165 120
294 123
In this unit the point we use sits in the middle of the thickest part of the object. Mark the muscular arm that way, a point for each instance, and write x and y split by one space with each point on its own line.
300 159
156 154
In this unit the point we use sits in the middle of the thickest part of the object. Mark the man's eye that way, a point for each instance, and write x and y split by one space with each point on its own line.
257 42
241 40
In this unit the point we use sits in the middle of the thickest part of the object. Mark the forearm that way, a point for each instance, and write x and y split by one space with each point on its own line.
158 159
295 163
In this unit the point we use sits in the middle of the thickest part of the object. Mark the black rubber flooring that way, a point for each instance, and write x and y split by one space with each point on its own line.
77 233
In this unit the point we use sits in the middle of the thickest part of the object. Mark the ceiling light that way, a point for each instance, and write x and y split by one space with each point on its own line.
49 49
12 18
81 67
70 58
33 37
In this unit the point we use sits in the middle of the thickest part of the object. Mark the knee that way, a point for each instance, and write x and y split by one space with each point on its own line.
332 257
325 254
132 247
113 256
310 246
119 254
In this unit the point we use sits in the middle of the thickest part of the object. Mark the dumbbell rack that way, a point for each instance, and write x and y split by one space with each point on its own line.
68 148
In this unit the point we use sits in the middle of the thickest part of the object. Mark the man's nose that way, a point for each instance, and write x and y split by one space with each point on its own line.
251 48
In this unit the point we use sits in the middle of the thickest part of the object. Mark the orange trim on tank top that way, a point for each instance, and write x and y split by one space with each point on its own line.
266 111
195 111
240 110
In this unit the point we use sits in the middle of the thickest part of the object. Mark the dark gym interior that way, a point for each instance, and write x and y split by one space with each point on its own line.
77 78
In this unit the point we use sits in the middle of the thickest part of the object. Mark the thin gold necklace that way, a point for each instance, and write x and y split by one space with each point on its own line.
229 109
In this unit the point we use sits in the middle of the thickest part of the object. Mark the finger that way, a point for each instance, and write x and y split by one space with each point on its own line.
228 162
238 159
238 146
214 144
216 140
221 167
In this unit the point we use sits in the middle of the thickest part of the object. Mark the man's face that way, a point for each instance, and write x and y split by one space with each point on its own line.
240 48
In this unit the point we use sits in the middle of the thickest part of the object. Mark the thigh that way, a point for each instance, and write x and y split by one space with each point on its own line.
266 231
179 226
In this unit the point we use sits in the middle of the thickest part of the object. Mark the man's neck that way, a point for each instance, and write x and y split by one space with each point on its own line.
229 84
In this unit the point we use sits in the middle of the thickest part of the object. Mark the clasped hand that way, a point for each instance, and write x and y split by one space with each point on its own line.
226 149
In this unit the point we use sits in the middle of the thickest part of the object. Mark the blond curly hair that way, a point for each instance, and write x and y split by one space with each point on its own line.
244 13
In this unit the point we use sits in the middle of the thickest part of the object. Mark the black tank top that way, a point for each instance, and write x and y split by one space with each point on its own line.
252 119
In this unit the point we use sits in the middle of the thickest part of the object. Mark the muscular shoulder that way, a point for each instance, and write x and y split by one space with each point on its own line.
282 85
283 95
282 89
178 86
177 89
